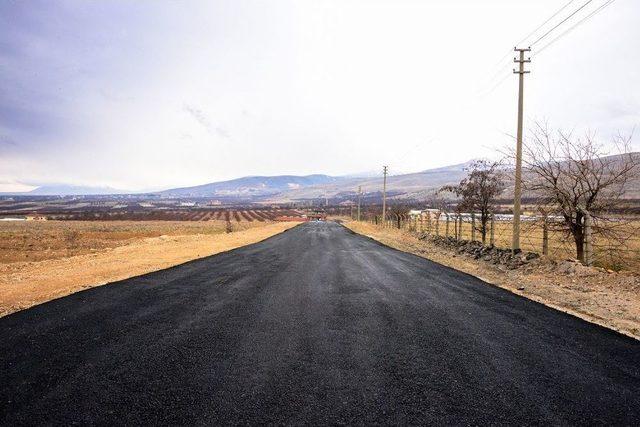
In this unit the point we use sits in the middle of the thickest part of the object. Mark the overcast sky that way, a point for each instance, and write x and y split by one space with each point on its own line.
152 94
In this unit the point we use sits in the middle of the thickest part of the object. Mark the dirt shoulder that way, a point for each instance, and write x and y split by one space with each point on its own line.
607 298
25 284
30 241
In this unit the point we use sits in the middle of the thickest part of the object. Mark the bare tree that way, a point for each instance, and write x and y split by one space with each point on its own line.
479 190
570 176
436 201
399 212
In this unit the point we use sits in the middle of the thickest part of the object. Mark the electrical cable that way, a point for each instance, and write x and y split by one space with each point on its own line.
561 22
577 24
528 36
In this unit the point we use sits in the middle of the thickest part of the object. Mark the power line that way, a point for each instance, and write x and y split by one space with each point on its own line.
510 51
589 16
556 13
544 23
561 22
504 79
500 71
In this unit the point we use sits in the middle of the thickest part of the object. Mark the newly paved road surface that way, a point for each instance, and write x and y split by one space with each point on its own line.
313 326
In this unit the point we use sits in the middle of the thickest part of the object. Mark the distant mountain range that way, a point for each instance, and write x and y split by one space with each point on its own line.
250 187
68 190
292 188
287 188
418 185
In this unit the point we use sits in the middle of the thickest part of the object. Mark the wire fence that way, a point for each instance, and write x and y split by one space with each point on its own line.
616 250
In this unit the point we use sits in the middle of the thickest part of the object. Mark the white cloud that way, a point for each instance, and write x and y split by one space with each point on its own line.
157 94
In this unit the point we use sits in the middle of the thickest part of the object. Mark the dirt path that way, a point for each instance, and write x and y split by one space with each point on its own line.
25 284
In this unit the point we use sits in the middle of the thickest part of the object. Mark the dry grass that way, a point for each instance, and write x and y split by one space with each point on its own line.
66 257
608 299
22 241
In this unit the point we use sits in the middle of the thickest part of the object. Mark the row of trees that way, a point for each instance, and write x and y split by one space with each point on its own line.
567 176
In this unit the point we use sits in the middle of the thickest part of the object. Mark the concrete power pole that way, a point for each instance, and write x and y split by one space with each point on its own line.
359 198
517 194
384 194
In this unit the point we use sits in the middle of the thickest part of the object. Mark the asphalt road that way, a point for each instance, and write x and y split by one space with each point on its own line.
314 326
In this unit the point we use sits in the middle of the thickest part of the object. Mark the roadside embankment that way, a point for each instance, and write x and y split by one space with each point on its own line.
604 297
27 283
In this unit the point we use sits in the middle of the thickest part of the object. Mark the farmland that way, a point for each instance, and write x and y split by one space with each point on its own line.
32 241
53 246
41 260
129 208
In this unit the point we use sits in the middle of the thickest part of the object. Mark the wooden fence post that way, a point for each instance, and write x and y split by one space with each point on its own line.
473 226
455 227
588 242
438 225
492 238
446 231
545 237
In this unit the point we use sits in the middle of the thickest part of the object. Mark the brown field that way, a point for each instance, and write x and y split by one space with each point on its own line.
40 261
190 214
22 241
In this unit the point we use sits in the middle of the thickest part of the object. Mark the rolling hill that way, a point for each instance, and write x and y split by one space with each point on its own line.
250 187
67 190
288 188
292 188
418 185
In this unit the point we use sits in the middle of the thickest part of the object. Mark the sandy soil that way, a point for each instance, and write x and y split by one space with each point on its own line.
606 298
41 240
26 283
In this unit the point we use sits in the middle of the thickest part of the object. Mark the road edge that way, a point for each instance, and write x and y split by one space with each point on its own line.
577 314
79 288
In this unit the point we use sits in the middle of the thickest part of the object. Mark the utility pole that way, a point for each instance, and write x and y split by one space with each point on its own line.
384 194
359 197
517 194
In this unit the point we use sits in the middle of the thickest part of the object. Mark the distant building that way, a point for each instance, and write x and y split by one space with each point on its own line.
424 213
14 218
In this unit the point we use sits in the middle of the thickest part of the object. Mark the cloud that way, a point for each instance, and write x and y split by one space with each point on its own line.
5 140
222 132
199 116
156 94
205 122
